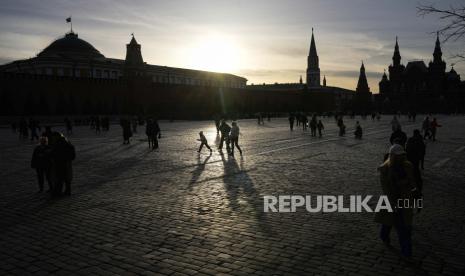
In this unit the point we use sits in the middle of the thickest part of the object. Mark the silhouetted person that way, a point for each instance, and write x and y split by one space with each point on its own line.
434 127
127 133
313 124
426 128
234 136
156 134
304 121
41 162
398 184
358 131
63 153
291 121
398 137
224 129
341 125
203 142
320 127
416 149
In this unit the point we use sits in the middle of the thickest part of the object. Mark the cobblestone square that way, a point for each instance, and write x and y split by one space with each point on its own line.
134 211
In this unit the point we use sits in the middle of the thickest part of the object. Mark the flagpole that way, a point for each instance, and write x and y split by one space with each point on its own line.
71 21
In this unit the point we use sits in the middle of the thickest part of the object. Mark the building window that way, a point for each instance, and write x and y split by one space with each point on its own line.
106 74
48 71
113 74
60 71
98 73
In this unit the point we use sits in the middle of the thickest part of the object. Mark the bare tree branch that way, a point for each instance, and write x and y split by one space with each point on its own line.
453 19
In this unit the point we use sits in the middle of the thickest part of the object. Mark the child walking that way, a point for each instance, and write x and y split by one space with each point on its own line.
203 141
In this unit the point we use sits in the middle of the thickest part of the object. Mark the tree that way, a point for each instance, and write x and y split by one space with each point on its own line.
453 18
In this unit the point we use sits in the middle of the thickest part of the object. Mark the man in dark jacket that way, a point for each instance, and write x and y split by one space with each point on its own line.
398 137
63 153
416 154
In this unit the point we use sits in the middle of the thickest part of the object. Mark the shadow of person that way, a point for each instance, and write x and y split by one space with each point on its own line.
241 193
197 172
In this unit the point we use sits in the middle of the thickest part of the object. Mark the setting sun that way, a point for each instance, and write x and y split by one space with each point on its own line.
214 52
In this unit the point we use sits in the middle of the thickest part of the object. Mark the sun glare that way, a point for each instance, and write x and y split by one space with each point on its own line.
214 53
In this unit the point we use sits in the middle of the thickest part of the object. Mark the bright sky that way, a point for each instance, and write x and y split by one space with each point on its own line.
262 40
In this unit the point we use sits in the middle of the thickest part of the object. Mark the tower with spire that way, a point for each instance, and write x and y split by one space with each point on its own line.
133 63
396 68
437 67
313 65
362 85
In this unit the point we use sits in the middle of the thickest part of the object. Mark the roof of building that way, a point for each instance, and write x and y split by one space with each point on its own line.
420 64
71 46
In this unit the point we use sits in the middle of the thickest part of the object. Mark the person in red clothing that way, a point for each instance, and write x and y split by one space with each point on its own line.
434 126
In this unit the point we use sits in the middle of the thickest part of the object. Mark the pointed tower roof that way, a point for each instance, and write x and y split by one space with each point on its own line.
396 57
362 85
437 55
312 51
384 78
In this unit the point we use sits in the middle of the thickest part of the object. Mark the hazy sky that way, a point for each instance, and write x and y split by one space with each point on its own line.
262 40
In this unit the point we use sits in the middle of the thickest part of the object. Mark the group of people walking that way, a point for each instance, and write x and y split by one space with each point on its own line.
401 181
229 136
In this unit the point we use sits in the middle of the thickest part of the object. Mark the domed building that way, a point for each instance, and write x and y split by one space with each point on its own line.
71 56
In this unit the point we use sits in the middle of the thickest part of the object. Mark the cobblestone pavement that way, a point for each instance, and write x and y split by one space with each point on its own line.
175 212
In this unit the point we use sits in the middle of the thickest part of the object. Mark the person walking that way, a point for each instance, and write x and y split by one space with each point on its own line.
224 129
291 121
434 127
342 127
127 133
320 127
203 142
313 125
234 136
63 153
41 162
69 126
416 149
425 127
398 184
358 131
398 137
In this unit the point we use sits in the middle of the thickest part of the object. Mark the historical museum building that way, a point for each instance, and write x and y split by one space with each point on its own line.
418 82
74 57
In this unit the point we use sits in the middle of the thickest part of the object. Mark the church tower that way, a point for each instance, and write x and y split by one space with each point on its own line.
362 85
313 66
